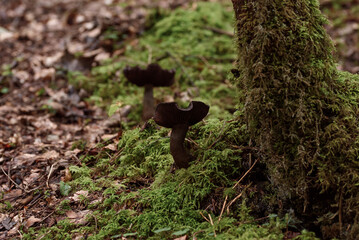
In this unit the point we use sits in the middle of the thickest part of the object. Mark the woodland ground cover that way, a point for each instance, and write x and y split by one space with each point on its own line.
126 187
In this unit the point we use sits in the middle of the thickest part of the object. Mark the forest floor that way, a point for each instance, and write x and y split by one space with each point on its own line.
44 120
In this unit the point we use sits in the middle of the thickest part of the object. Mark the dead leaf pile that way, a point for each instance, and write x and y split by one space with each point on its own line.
41 116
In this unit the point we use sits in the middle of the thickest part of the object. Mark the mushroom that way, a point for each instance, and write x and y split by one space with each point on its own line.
169 115
152 76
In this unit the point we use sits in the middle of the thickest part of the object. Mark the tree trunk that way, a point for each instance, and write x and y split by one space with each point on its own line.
295 101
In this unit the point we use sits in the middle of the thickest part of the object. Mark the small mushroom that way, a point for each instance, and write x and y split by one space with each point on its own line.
169 115
152 76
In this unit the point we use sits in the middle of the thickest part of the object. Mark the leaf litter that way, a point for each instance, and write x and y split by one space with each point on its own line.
41 116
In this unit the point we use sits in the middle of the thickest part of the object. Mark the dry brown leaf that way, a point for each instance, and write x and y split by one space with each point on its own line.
50 155
71 214
31 221
51 60
94 33
26 200
7 109
44 73
54 23
28 181
44 123
181 238
75 47
17 220
112 147
72 152
78 196
68 176
108 136
78 217
23 159
102 56
8 223
5 34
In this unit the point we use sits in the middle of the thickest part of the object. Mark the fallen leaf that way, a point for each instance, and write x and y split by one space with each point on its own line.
78 196
108 136
29 180
44 123
26 200
78 217
68 176
71 214
23 159
112 147
5 34
181 238
8 223
31 221
44 73
50 155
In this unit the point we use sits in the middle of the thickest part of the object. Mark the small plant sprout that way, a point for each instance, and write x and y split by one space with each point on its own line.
152 76
169 115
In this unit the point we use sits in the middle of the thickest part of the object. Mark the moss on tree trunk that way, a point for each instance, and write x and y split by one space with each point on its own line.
300 111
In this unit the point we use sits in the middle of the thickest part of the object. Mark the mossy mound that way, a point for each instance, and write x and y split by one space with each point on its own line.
142 199
300 110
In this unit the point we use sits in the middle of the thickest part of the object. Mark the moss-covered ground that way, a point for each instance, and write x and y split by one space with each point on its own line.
224 194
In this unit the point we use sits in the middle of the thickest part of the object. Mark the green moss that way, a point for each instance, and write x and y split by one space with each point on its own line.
142 198
181 40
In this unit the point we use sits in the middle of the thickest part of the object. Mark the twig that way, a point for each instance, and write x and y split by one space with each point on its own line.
220 136
9 174
254 220
250 156
164 56
116 154
49 175
235 185
224 205
220 31
34 201
211 221
204 217
204 60
96 225
17 185
19 234
191 140
77 159
245 147
47 216
231 202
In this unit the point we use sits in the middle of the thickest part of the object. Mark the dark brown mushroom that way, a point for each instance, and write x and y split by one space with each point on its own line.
152 76
169 115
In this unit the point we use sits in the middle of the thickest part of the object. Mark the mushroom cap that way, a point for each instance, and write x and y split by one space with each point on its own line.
169 114
153 75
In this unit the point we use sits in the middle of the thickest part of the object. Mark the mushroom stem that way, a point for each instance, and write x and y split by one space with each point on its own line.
148 103
179 153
